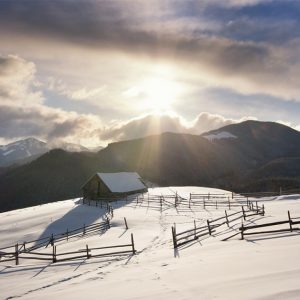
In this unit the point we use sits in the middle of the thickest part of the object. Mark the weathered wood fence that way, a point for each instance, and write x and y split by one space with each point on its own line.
212 200
84 231
250 229
187 236
54 256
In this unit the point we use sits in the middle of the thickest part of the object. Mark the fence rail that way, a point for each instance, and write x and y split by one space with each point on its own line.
85 230
187 236
290 221
55 257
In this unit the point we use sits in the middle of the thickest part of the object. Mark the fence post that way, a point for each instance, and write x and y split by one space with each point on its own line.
228 203
203 203
256 208
83 229
174 236
263 209
226 218
54 254
176 199
52 240
208 226
125 223
290 221
231 195
242 231
107 221
244 216
24 246
17 253
132 244
216 204
208 196
87 252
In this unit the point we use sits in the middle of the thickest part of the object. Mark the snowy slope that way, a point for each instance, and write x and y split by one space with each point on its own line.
256 268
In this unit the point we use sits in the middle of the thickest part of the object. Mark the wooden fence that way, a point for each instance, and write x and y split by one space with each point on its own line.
187 236
212 200
85 230
54 256
246 230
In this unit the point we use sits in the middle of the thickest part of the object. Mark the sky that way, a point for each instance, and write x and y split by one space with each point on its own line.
94 72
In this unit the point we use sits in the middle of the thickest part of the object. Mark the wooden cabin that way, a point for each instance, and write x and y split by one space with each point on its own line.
113 185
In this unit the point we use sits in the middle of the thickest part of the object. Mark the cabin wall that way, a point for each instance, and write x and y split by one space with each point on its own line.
95 188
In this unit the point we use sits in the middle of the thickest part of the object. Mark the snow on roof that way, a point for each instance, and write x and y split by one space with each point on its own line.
122 182
220 135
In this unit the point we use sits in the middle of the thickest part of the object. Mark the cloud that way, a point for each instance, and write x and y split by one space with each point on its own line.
157 124
23 112
17 78
130 28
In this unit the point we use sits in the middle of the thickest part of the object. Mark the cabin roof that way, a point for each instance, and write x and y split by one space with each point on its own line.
122 182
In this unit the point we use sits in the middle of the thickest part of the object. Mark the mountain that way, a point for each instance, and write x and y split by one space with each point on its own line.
248 156
24 151
21 151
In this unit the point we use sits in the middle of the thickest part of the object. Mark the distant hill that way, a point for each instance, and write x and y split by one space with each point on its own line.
247 156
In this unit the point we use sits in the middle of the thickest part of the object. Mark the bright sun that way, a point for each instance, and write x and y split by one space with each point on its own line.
158 94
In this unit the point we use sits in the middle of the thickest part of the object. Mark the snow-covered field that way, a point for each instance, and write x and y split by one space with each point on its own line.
259 267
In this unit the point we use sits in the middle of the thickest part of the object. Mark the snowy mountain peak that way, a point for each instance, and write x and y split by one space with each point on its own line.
22 150
30 148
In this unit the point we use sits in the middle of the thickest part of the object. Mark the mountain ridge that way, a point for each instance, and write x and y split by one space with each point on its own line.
165 159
